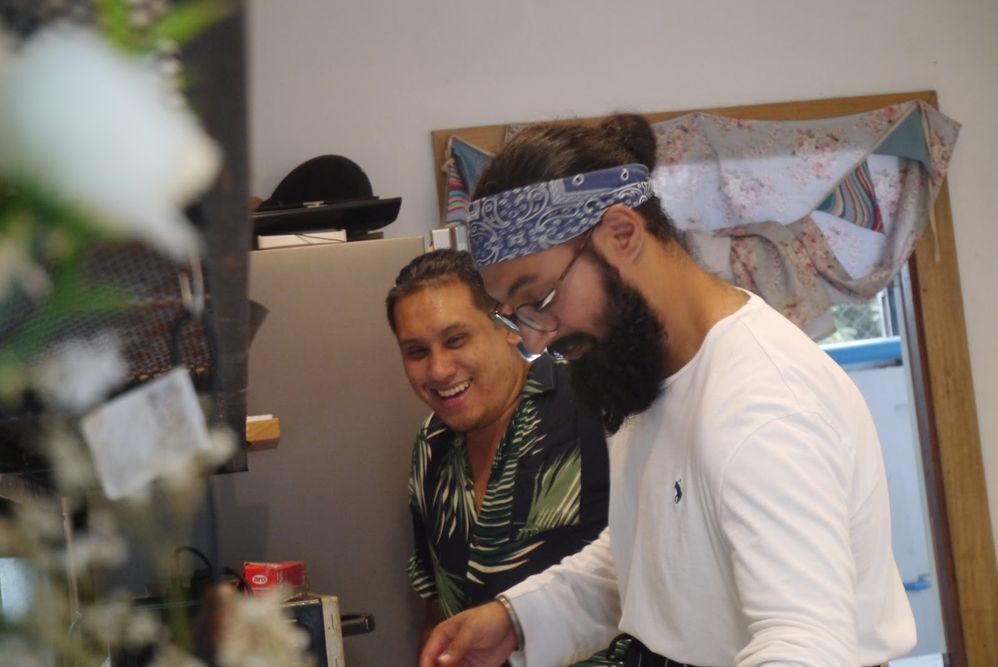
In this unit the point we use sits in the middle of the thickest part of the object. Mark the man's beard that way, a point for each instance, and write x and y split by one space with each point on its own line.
622 375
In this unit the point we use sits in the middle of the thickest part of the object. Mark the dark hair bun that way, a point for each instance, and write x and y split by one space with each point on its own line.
632 133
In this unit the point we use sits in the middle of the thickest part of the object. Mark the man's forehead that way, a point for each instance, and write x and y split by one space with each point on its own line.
506 281
450 294
502 283
450 302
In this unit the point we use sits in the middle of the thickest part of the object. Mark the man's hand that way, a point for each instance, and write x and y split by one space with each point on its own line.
479 637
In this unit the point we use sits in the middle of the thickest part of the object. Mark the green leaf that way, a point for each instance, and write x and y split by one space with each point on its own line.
71 296
450 498
114 17
186 21
50 211
448 587
556 495
13 377
180 25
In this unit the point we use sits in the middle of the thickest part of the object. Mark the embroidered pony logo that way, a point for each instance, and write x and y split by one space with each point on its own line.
679 490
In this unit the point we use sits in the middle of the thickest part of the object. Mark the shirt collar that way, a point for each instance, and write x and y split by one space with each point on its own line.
541 378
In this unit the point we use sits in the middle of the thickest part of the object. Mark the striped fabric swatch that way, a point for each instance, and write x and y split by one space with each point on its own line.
855 200
457 195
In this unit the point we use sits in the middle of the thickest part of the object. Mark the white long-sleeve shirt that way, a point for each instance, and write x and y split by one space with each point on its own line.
749 520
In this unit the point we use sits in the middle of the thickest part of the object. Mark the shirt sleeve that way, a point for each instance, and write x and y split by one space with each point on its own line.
784 510
420 567
569 611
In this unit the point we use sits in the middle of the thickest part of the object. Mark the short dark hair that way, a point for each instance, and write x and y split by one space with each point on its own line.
437 268
545 152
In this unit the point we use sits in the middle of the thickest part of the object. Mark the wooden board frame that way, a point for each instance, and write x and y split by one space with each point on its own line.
951 448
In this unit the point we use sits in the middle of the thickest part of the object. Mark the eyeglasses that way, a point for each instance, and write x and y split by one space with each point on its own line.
538 316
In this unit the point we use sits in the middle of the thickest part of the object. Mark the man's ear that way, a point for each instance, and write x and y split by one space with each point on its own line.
621 235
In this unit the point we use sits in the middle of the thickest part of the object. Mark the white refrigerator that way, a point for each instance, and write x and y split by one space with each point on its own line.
333 491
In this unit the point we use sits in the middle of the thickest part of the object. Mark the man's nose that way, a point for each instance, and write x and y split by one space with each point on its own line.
441 366
536 341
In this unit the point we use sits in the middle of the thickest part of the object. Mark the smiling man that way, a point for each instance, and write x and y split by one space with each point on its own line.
508 475
749 521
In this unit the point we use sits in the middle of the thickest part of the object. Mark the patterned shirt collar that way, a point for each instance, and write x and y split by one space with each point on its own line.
542 377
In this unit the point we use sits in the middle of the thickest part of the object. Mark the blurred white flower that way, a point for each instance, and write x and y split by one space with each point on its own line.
100 546
18 270
116 621
138 500
184 486
172 656
77 374
143 627
97 129
71 462
221 445
256 633
39 520
105 619
18 652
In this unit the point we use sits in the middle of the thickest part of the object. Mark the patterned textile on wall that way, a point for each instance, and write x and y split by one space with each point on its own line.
805 213
463 164
457 194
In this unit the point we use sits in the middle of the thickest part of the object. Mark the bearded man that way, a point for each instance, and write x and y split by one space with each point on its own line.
749 521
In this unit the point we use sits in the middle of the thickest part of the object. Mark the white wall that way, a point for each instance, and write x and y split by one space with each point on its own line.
370 79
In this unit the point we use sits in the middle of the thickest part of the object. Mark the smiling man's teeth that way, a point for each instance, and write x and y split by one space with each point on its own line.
454 391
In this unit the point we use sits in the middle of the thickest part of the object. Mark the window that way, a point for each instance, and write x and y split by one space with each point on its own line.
876 318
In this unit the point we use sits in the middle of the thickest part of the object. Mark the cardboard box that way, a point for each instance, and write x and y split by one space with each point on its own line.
452 235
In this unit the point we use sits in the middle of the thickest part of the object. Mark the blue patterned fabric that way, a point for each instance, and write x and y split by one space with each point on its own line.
471 161
532 218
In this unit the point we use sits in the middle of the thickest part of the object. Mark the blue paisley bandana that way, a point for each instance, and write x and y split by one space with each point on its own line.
536 217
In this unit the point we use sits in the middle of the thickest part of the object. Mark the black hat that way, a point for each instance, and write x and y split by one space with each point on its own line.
326 192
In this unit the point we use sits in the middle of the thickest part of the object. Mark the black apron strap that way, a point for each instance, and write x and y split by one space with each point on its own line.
638 655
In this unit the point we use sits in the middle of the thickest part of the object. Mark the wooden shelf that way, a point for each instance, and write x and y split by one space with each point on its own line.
262 433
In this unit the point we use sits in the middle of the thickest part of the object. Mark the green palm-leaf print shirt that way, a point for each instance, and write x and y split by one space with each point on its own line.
546 497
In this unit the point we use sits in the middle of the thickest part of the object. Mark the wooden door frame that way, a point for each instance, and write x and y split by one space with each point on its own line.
951 449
